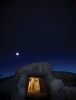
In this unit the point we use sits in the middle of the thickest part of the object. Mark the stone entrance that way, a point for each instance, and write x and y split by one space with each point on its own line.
37 79
36 87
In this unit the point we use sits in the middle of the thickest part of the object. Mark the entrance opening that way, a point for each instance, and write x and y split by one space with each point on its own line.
34 85
36 88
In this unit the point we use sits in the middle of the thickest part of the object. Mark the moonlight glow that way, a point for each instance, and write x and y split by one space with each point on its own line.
17 54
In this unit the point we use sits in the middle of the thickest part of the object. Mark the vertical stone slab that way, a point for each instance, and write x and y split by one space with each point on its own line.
21 93
15 97
27 83
70 92
56 90
22 81
22 86
43 86
48 79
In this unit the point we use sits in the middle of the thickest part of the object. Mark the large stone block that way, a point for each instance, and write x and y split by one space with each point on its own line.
15 96
22 81
39 67
70 93
56 90
48 79
21 93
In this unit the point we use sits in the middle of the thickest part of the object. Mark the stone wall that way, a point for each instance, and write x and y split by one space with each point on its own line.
38 69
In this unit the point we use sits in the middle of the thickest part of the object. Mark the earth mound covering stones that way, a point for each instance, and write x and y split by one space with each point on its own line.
8 85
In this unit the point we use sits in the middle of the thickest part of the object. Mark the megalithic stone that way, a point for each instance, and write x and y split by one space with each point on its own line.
56 90
15 96
22 81
21 93
22 87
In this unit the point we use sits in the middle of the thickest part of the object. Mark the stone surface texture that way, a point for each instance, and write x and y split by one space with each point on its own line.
16 85
70 93
37 67
22 86
15 97
22 81
21 93
56 90
48 79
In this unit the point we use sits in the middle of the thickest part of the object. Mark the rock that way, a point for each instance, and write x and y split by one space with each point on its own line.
38 67
21 93
48 79
22 86
22 81
15 97
56 90
70 92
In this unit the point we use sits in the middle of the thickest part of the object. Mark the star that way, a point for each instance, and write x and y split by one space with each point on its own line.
17 54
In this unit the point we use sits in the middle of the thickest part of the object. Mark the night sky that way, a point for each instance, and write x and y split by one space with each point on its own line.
40 30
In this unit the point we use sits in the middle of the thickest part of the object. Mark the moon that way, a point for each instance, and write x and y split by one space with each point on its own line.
17 54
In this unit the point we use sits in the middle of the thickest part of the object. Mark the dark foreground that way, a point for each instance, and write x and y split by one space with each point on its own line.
9 85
